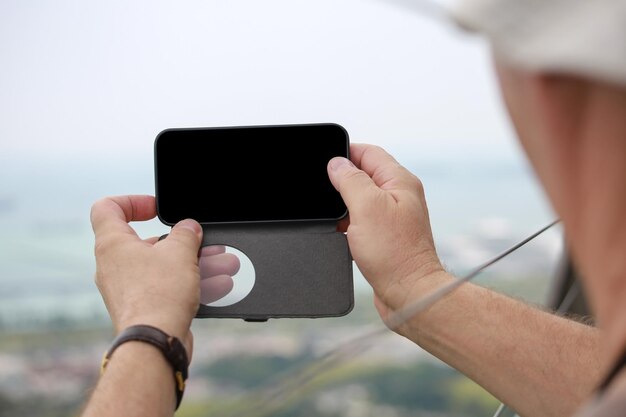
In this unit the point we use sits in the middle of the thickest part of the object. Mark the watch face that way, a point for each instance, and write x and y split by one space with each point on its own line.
248 174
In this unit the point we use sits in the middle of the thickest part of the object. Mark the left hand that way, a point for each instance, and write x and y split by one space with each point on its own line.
150 281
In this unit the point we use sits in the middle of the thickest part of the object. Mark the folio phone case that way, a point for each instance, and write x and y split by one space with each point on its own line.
301 269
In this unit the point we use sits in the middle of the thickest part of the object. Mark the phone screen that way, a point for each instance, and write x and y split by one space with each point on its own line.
249 173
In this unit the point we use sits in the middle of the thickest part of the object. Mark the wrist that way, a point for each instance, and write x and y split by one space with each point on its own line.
422 286
409 282
172 352
122 389
176 328
167 322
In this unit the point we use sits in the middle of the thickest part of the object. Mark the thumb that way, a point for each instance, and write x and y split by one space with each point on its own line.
354 185
186 237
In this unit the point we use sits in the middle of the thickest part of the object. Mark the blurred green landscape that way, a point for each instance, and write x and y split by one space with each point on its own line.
238 367
54 328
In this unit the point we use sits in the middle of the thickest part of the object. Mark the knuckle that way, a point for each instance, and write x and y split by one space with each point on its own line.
184 236
94 209
184 239
97 208
98 203
416 182
372 150
97 280
103 245
353 174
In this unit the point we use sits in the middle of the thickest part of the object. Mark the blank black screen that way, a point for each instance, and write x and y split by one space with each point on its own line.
248 174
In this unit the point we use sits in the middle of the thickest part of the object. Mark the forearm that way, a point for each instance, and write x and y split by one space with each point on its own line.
534 361
138 381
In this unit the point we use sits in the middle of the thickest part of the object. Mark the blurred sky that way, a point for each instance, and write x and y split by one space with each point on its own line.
85 87
100 79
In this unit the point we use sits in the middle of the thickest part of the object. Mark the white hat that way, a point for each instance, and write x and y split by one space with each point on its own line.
579 37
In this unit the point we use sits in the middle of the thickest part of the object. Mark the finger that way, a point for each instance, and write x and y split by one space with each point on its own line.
383 168
214 288
221 264
112 214
212 250
357 189
184 241
152 240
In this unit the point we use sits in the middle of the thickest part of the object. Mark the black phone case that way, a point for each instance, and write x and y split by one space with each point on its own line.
302 269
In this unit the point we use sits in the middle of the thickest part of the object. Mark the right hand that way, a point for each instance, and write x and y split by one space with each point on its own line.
388 227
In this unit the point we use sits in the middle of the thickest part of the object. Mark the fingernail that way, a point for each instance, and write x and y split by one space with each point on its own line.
191 225
338 162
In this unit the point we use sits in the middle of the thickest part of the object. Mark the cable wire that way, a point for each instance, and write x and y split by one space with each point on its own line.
284 388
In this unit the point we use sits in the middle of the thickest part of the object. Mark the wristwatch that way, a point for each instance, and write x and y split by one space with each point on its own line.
171 347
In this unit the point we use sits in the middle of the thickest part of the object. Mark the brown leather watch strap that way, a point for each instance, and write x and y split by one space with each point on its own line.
171 347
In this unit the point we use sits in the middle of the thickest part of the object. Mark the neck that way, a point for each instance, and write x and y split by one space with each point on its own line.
594 213
578 148
574 132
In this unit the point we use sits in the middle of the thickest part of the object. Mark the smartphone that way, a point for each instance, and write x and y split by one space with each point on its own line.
242 174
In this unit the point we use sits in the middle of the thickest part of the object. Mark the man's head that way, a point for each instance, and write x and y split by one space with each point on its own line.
573 130
561 65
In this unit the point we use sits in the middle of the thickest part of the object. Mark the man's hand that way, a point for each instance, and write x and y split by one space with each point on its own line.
501 343
154 282
388 228
150 281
